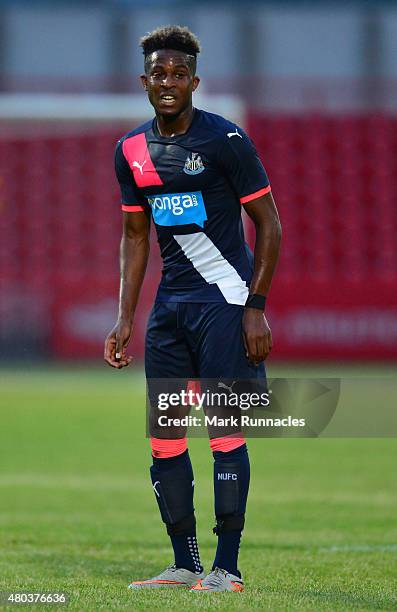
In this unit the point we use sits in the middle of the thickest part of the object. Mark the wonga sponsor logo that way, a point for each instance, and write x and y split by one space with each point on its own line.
178 208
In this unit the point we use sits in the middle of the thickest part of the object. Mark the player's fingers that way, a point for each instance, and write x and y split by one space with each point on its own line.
124 360
109 347
268 343
112 363
110 352
260 350
264 348
255 351
119 348
251 348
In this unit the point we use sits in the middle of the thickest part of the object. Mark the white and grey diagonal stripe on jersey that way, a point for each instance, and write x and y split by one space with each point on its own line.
213 267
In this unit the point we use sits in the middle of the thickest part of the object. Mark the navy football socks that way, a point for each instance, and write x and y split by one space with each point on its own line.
226 556
231 484
186 552
185 545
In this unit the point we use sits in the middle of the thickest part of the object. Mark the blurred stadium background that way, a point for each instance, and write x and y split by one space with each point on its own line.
314 84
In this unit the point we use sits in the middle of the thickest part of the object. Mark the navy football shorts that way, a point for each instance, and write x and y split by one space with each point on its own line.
188 340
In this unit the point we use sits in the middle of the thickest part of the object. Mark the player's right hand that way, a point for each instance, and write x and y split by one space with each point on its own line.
116 345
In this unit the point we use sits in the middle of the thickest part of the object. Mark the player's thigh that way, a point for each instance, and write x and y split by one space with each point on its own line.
168 367
167 354
221 349
225 371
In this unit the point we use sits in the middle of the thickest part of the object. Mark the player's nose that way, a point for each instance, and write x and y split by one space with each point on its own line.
168 80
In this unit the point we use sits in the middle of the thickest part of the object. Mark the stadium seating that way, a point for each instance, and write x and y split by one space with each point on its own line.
334 179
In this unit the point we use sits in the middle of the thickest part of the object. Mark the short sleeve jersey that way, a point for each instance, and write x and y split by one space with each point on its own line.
194 185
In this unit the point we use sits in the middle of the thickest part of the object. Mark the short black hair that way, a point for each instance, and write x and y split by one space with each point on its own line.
178 38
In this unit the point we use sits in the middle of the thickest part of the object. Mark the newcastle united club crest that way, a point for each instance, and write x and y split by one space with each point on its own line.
193 164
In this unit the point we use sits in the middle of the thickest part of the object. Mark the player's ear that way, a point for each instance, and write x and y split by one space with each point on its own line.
143 78
196 81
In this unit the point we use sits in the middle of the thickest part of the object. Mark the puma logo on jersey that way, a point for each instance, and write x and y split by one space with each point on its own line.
236 133
136 164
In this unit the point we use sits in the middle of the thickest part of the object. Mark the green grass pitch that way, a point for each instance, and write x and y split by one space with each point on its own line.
78 514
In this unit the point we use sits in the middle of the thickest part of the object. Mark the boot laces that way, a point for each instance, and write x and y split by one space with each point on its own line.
216 577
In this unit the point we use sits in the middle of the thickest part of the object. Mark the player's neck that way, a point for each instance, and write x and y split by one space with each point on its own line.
175 126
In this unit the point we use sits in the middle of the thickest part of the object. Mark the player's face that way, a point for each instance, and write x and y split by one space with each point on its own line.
169 82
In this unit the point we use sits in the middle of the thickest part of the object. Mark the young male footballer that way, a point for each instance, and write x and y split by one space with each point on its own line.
191 172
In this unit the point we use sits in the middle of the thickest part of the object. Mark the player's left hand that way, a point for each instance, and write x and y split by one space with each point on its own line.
257 335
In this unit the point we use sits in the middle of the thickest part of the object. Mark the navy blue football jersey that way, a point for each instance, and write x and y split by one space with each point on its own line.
194 184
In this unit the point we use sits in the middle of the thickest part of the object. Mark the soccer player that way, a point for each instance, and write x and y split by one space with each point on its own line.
191 171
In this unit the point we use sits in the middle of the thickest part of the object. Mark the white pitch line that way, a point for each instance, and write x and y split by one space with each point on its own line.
96 482
360 548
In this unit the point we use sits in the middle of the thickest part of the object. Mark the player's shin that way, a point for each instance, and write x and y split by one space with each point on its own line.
231 484
173 485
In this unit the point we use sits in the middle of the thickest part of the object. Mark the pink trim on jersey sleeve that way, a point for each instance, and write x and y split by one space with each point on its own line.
133 208
257 194
136 152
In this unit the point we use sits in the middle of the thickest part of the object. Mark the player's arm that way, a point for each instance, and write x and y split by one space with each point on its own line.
256 331
243 168
134 253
